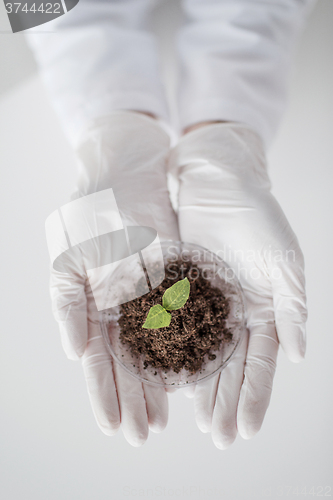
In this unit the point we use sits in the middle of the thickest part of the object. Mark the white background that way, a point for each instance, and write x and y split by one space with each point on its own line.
50 445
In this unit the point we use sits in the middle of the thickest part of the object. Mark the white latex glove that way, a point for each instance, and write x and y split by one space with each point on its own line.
126 152
225 205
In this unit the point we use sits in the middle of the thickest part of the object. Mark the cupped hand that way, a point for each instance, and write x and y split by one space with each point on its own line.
225 205
126 152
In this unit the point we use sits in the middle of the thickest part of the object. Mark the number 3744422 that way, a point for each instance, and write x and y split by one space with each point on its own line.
35 8
304 491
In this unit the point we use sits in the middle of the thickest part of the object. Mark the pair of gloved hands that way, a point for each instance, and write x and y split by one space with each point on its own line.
225 205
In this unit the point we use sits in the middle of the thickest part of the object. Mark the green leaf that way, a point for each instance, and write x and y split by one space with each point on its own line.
176 296
157 317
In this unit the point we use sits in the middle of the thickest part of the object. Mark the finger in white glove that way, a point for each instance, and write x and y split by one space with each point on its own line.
69 307
216 400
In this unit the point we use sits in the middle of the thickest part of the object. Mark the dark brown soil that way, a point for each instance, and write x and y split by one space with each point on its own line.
196 330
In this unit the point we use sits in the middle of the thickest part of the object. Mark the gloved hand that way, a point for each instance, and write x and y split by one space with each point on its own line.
225 205
125 151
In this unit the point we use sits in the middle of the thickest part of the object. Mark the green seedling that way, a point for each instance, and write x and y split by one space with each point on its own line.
173 298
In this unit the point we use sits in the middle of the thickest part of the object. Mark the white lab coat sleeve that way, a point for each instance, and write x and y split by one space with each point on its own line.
235 57
97 58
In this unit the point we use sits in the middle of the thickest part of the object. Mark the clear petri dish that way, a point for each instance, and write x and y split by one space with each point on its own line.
124 283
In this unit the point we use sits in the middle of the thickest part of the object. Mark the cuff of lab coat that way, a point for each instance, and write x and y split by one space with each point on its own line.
78 119
219 110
